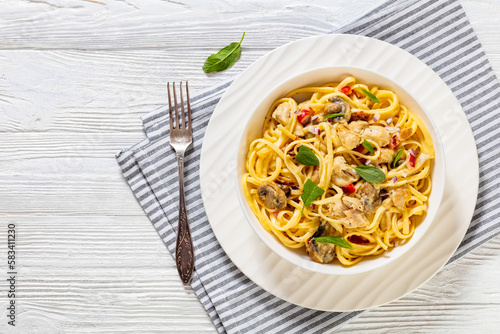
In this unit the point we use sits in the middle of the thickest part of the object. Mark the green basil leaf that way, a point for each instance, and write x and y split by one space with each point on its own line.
310 193
370 95
368 146
334 115
223 59
370 174
397 157
306 157
337 241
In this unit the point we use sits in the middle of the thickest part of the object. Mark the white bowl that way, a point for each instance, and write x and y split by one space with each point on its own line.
321 76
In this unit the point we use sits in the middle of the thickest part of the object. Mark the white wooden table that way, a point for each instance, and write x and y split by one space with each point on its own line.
75 76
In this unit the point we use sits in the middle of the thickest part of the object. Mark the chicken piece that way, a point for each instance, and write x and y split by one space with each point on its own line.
399 196
369 196
321 252
343 174
422 158
377 134
305 105
386 156
387 203
358 126
349 212
385 221
406 133
337 210
316 176
299 130
348 138
283 113
354 219
352 203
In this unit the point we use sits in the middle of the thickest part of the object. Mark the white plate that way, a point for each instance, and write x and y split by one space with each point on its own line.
337 292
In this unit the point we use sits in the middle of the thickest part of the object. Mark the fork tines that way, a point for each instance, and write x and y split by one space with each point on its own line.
180 124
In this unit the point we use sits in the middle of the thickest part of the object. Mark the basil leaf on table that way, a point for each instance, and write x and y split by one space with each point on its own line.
370 95
370 174
397 157
334 115
368 146
223 59
310 193
337 241
306 157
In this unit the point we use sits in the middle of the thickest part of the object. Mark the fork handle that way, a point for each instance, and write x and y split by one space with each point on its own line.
184 254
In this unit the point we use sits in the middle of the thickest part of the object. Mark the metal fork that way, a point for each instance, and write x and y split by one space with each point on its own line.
180 139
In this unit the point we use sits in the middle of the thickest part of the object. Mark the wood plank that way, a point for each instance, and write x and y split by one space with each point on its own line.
99 274
134 24
74 91
138 24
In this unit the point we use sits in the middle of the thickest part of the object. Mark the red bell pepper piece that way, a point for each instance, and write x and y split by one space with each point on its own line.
356 239
346 90
411 161
349 189
304 116
360 149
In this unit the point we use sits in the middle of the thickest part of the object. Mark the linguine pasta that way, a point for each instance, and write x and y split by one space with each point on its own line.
339 127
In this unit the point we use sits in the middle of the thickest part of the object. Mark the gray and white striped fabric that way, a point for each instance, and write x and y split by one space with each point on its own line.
435 31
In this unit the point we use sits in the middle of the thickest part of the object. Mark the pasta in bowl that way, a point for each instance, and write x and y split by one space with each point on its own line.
341 175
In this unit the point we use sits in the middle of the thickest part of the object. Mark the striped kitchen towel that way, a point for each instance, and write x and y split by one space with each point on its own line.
435 31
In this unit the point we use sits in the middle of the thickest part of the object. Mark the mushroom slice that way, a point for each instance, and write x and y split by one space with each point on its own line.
283 113
272 196
337 105
286 189
369 196
342 174
321 252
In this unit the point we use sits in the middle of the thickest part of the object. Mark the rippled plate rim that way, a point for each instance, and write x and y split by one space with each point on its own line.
295 284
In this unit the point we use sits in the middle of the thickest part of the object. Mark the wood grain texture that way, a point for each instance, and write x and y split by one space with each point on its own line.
75 76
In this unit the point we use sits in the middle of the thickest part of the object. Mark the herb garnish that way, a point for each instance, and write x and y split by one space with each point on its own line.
370 95
334 115
369 173
338 241
310 193
306 157
397 157
223 59
368 146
